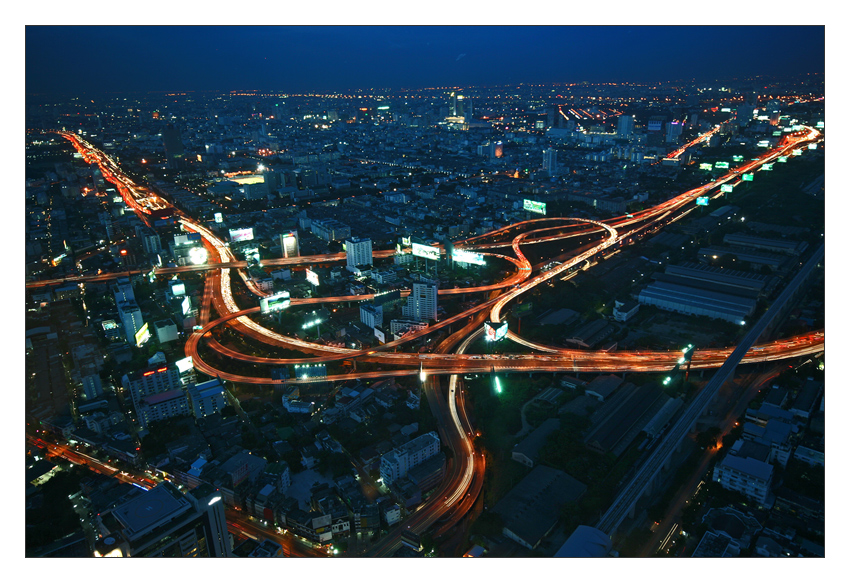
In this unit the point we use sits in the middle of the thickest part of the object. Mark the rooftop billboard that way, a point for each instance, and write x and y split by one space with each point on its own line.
426 251
534 206
241 234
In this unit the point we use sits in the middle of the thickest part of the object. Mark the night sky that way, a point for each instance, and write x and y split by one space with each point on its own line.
338 58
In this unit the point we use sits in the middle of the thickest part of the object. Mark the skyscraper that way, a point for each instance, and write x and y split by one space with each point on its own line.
550 161
457 105
173 144
421 303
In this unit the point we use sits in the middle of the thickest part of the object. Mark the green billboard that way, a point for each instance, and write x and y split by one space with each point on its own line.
534 206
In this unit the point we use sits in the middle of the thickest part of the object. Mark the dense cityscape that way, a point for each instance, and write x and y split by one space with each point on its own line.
575 319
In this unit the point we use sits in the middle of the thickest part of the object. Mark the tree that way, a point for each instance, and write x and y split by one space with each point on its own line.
708 438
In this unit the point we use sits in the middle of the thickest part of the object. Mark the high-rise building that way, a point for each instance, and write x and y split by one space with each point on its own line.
131 317
92 386
150 381
162 522
396 463
625 126
162 406
371 315
358 251
421 303
550 161
495 150
151 243
173 144
457 105
674 130
123 292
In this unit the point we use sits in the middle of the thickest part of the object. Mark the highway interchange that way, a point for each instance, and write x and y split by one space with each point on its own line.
465 473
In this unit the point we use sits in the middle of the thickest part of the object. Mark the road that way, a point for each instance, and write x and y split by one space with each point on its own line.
687 492
465 466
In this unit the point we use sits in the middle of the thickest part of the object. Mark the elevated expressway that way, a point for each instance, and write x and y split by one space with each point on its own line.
643 478
466 470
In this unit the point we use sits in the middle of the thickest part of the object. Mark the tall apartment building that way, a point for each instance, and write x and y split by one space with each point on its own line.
92 386
162 406
625 126
396 463
358 251
162 522
151 381
371 315
131 317
289 244
550 161
421 303
151 243
123 292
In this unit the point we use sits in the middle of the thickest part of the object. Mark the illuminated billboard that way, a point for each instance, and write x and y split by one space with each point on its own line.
405 241
534 206
737 158
426 251
702 201
782 159
726 188
278 301
813 146
463 256
705 166
494 331
723 165
242 234
186 305
312 276
797 152
819 125
747 177
218 218
143 335
767 167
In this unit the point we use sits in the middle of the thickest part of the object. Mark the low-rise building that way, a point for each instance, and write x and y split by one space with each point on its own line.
396 463
530 510
748 476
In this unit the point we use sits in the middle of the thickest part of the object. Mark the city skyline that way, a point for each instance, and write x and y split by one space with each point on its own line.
443 291
301 58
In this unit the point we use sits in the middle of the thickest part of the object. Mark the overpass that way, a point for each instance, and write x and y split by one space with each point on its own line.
642 480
